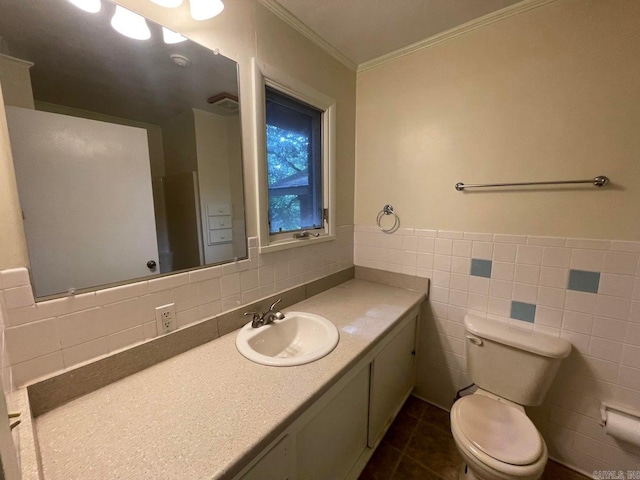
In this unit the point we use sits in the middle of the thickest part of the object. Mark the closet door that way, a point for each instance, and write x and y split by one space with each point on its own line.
85 192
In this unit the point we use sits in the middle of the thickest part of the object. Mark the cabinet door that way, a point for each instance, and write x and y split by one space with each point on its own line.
330 443
274 465
392 378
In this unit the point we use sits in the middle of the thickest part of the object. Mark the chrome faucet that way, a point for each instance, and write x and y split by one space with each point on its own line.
265 318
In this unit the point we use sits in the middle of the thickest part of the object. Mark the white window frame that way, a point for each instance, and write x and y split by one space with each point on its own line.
264 74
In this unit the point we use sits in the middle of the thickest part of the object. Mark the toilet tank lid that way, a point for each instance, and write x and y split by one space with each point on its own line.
518 337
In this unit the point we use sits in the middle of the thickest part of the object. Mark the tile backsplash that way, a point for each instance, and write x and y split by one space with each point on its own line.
47 337
587 291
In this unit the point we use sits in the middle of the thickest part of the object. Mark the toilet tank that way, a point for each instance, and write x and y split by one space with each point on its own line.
512 362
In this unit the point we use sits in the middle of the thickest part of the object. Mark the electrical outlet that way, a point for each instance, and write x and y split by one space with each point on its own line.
166 318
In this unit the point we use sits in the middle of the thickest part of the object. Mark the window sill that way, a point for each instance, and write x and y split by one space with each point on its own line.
294 243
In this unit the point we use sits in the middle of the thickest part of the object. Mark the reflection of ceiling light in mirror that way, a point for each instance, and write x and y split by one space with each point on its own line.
168 3
205 9
180 60
171 37
91 6
130 24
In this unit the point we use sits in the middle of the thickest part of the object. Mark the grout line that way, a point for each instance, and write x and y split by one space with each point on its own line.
421 422
395 469
572 473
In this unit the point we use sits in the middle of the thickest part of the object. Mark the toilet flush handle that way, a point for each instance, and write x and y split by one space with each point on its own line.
475 340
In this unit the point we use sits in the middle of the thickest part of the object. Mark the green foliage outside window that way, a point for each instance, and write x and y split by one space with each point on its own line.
287 156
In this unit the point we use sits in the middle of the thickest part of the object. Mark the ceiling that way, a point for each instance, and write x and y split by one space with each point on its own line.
83 63
363 30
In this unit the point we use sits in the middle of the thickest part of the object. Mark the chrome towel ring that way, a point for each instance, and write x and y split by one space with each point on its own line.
388 210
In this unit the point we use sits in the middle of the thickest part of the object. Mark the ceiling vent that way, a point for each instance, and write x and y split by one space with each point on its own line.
225 103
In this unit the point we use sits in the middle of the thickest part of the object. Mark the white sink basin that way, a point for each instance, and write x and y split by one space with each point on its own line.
297 339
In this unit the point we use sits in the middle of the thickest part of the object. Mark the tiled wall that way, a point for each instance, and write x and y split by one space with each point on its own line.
5 369
47 337
587 291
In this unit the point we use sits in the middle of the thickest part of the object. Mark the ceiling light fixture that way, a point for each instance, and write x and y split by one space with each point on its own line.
180 60
200 9
168 3
170 37
91 6
130 24
205 9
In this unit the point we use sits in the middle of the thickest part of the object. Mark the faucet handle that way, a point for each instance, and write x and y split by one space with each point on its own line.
275 303
257 320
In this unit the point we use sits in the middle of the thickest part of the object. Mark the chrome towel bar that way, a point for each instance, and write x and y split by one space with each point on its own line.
599 181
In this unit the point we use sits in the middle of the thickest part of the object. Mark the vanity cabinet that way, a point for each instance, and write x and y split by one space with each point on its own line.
275 462
334 438
392 379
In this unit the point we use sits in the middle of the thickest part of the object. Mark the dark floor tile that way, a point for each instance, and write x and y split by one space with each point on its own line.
409 469
435 449
555 471
437 417
430 451
414 407
382 463
400 431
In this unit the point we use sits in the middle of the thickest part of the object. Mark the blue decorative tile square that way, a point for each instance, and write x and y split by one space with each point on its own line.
523 311
583 281
481 268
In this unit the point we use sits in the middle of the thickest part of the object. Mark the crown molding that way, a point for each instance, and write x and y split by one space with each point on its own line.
465 28
19 61
293 21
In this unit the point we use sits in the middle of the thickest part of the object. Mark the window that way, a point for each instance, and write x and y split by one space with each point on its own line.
295 135
294 163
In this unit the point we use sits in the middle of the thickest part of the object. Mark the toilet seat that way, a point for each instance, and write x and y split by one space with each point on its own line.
500 431
485 466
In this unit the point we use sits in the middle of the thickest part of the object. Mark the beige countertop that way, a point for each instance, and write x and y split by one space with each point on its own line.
207 412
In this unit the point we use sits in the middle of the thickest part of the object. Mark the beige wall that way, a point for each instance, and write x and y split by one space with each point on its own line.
16 82
551 94
13 247
248 29
245 29
281 48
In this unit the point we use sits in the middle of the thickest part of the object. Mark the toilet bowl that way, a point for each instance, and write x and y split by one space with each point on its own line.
511 367
496 440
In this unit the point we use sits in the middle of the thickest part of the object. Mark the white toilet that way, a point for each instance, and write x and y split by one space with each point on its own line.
511 367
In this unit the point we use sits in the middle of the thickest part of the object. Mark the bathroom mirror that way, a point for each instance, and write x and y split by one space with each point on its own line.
127 151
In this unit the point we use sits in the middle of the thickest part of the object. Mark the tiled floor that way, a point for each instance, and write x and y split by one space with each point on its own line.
419 446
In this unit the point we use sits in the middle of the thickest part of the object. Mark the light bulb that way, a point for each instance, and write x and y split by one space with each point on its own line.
130 24
170 37
168 3
205 9
91 6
